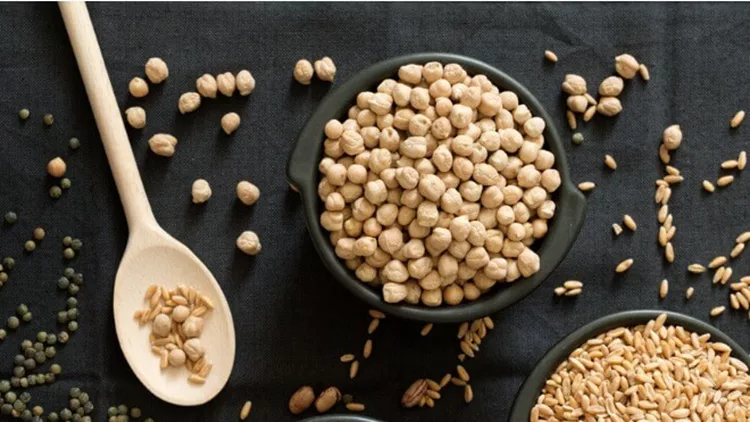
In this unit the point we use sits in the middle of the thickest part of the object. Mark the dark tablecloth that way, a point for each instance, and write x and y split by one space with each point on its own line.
292 319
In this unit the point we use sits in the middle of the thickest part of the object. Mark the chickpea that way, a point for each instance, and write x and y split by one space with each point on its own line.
138 87
470 210
226 84
230 122
528 262
460 228
494 241
471 292
511 140
394 292
438 241
414 147
453 294
511 248
366 273
470 191
156 70
534 197
431 187
463 168
461 115
419 98
56 167
505 215
521 212
201 191
384 121
440 89
249 243
351 123
136 117
550 180
303 71
486 175
325 69
353 227
378 259
424 167
544 160
419 125
496 269
206 86
366 118
394 196
449 179
498 160
431 281
432 71
163 144
483 282
432 298
365 246
490 104
539 228
351 192
529 152
245 82
416 231
418 268
492 197
529 176
546 210
334 201
371 227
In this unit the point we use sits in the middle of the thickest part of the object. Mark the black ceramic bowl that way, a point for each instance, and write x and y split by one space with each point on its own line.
532 387
340 418
303 175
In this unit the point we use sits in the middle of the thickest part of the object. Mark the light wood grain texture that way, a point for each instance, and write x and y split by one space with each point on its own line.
152 256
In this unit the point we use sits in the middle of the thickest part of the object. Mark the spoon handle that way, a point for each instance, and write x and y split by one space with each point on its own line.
107 113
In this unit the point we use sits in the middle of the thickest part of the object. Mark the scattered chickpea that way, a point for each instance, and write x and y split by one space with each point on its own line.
226 84
206 86
245 82
609 106
163 144
249 243
189 102
325 69
626 66
138 87
672 137
56 167
230 122
136 117
156 70
248 193
303 71
201 191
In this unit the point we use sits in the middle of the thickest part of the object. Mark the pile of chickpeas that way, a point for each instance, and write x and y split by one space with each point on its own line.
436 186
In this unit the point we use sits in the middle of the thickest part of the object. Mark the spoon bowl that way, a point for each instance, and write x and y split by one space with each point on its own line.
154 257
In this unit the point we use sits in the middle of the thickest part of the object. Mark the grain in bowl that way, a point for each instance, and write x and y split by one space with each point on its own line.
437 186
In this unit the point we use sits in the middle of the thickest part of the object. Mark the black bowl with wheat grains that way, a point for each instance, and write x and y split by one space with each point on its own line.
340 418
303 175
531 389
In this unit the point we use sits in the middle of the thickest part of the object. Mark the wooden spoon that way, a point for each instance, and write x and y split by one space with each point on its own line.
152 256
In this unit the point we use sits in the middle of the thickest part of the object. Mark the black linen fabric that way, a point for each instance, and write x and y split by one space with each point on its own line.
292 319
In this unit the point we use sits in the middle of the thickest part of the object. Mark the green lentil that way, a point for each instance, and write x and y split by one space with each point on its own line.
50 352
26 344
18 405
71 302
3 334
68 272
72 326
51 339
74 143
79 414
6 409
55 192
13 323
29 246
23 113
10 397
63 337
48 119
27 317
29 353
578 138
135 413
62 317
65 183
69 253
67 240
37 410
29 364
88 407
76 244
122 410
75 392
77 279
84 397
22 309
32 380
19 371
11 217
25 397
74 404
72 314
9 263
112 411
40 357
41 337
52 417
18 359
4 386
148 420
26 415
39 233
3 277
63 283
73 289
66 414
49 378
55 369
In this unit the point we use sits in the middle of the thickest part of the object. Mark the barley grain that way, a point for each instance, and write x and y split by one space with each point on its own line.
737 119
586 186
353 369
624 265
672 179
376 314
726 276
696 268
664 288
426 329
610 162
488 323
571 120
468 394
458 382
433 394
591 100
717 262
725 181
573 284
150 291
432 385
742 160
643 71
367 351
663 238
589 113
667 196
462 373
461 357
743 237
717 311
664 154
744 301
246 408
445 380
196 379
689 293
737 250
467 349
373 325
573 292
733 302
671 232
355 407
708 186
629 222
674 171
551 56
347 358
729 164
718 275
669 252
463 329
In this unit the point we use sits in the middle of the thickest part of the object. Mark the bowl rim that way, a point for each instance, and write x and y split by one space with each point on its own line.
303 176
531 388
340 418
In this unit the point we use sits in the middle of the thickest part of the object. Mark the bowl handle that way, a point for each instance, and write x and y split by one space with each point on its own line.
302 160
572 212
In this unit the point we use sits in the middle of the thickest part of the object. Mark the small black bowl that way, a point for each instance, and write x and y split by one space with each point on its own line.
532 387
303 176
340 418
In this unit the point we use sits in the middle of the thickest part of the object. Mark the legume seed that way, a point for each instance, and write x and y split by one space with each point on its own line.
610 162
717 311
725 181
551 56
624 265
586 186
245 412
717 262
708 186
696 268
629 222
737 119
689 293
664 289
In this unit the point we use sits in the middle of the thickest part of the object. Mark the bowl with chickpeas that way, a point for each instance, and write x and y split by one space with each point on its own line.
436 188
